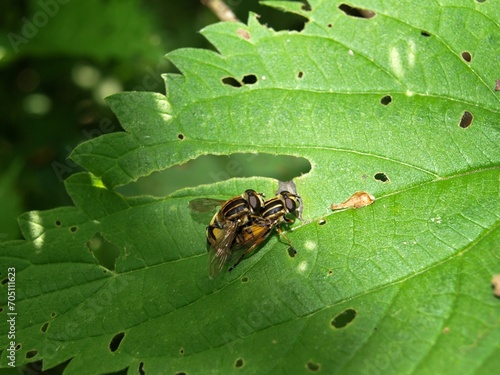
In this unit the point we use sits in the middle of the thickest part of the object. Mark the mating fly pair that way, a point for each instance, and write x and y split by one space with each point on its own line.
242 223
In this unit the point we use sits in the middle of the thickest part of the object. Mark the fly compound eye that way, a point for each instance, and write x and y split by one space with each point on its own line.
290 204
254 202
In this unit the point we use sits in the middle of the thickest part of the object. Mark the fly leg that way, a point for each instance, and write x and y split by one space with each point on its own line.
281 233
250 249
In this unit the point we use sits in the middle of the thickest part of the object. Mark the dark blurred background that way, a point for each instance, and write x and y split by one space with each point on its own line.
60 58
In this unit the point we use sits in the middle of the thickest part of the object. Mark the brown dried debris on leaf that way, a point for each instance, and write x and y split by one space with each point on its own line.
357 200
495 283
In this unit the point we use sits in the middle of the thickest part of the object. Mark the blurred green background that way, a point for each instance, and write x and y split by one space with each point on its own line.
60 58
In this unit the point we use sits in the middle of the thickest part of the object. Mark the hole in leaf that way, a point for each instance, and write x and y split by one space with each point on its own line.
466 56
59 369
103 251
116 341
181 351
44 328
180 136
311 366
344 318
497 85
244 279
35 367
1 308
321 221
230 81
381 176
208 169
306 6
292 252
73 229
356 12
239 363
267 16
481 1
249 79
425 33
329 25
466 120
19 346
31 353
330 272
141 369
53 314
386 100
58 223
5 281
300 74
180 373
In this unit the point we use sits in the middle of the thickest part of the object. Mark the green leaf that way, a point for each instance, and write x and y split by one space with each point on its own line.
401 286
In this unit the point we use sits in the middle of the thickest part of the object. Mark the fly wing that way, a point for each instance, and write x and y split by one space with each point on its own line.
221 251
202 209
249 237
290 187
204 205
